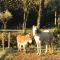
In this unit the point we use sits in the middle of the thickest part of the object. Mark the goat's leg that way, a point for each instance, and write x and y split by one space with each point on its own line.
24 47
50 49
18 46
39 43
39 47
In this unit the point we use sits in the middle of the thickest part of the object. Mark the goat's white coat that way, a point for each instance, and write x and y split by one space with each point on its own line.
45 35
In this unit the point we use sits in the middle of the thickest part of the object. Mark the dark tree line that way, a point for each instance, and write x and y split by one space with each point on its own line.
16 7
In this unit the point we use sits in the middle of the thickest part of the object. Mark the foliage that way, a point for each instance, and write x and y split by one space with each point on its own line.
56 41
5 16
13 41
52 6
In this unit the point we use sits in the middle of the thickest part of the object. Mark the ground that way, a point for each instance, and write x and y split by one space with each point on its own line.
15 55
34 56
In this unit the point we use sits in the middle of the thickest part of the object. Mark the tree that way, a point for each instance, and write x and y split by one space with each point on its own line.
26 4
5 16
40 13
54 6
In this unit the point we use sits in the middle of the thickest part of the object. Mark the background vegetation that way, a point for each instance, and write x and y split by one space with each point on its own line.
31 9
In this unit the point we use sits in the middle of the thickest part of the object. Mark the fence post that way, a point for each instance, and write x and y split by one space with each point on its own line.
9 40
46 50
3 40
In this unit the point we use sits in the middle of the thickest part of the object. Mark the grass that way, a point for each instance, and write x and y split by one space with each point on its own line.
33 56
12 54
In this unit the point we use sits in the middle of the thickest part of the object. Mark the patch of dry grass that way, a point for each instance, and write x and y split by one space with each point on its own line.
34 56
12 54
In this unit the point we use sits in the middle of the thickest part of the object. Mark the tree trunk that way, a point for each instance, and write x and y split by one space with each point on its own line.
38 20
40 13
4 25
55 18
24 24
3 40
58 22
9 40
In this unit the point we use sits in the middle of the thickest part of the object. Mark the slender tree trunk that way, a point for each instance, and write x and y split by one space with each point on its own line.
41 12
38 20
39 15
58 21
25 16
4 25
55 18
24 23
3 40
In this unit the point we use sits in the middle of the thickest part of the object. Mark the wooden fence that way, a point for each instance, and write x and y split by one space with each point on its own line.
3 32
